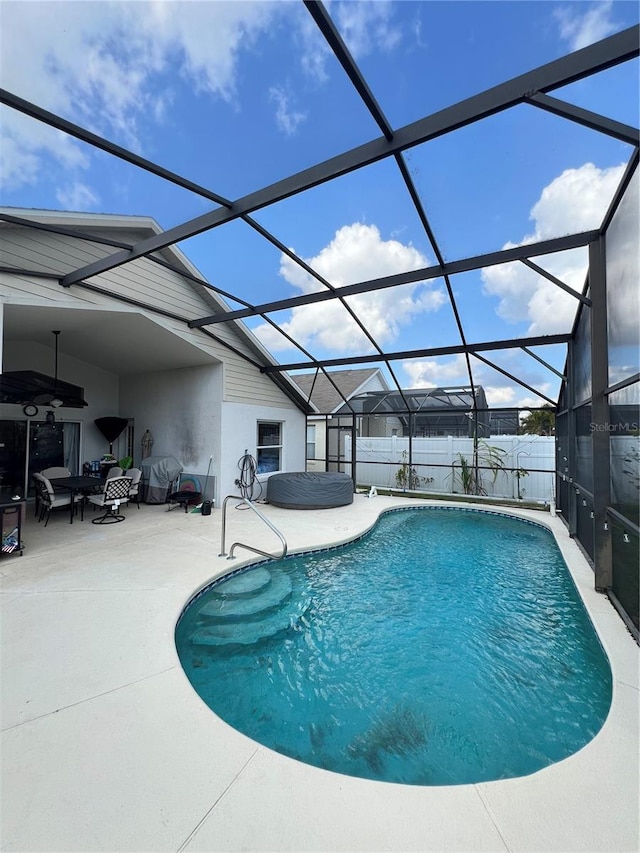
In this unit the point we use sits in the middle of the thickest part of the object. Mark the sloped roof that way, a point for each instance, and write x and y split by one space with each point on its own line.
418 400
93 227
325 397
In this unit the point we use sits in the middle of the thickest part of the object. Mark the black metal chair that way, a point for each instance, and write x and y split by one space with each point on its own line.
116 493
47 499
37 490
135 474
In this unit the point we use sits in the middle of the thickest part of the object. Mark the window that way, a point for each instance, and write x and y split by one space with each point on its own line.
311 441
269 447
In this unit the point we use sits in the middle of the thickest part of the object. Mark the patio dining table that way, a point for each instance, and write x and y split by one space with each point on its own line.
76 485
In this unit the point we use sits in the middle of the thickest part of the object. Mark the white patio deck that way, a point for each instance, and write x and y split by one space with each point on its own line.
105 745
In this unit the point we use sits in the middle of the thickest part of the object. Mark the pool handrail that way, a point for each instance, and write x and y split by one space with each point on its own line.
235 545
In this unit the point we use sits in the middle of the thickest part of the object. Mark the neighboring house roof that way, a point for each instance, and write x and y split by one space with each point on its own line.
417 400
93 224
325 397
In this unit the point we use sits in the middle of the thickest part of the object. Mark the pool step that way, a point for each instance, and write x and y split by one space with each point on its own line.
249 607
244 584
239 606
246 633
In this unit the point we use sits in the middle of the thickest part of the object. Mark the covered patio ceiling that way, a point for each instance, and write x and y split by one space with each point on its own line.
123 342
535 91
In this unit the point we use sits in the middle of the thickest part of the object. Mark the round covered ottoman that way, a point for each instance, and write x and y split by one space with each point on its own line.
310 490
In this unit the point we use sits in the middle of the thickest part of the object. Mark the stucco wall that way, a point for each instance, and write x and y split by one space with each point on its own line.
182 409
239 426
188 420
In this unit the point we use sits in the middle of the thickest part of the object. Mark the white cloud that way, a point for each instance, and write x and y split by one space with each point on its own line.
287 118
580 30
500 395
314 50
357 253
111 66
523 402
506 396
365 27
18 165
24 142
575 201
452 371
104 65
77 196
434 373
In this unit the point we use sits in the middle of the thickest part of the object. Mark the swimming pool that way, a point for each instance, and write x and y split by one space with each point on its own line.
446 646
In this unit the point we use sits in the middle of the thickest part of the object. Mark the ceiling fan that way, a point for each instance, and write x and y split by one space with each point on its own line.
51 399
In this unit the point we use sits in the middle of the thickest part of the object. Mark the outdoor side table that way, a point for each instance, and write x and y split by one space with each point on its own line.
12 512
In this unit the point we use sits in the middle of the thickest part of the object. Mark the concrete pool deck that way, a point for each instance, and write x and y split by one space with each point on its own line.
106 746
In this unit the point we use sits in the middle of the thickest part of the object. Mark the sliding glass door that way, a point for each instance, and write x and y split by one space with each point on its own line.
30 446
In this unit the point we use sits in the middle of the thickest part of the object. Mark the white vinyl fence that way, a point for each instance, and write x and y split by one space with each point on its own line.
436 461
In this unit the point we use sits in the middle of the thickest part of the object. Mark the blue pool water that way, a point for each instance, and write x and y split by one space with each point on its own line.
444 647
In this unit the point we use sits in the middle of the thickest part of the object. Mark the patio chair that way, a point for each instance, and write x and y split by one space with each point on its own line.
56 471
47 499
116 471
116 492
135 475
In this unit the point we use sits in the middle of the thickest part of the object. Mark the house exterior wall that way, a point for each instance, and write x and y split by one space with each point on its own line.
182 409
240 425
192 412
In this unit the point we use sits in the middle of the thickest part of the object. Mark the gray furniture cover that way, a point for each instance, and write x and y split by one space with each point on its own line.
158 473
310 490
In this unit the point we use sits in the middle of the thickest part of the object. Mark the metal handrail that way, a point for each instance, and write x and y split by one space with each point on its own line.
235 545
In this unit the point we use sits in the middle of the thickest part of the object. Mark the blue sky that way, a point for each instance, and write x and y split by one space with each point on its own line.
238 95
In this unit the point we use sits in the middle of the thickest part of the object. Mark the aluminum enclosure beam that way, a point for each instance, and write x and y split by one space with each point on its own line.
544 363
600 434
594 121
543 340
552 278
342 54
546 247
40 114
417 203
589 60
514 379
